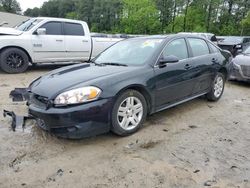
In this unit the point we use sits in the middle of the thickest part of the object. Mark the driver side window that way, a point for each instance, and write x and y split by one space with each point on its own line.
177 48
53 28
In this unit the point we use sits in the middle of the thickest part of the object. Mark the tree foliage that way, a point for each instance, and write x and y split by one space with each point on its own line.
222 17
140 17
11 6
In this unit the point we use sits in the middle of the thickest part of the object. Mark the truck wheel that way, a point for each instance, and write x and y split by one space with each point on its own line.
14 60
129 113
217 88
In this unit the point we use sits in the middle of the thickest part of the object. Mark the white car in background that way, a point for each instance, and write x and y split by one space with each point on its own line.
48 40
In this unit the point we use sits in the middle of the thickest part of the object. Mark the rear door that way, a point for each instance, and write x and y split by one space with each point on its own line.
175 81
51 46
203 61
78 45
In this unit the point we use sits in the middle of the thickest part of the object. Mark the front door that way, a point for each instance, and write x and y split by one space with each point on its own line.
51 46
175 81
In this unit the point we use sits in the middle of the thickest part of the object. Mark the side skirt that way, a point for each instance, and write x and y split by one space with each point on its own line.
180 102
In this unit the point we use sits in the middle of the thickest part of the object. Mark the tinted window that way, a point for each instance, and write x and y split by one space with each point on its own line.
177 48
213 48
73 29
53 28
199 47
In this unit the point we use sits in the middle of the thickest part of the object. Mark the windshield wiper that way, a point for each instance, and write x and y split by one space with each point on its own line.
114 64
93 62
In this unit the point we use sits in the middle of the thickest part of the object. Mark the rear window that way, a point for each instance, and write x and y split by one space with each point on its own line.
199 47
73 29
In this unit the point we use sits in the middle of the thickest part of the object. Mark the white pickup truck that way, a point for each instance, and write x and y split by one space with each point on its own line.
48 40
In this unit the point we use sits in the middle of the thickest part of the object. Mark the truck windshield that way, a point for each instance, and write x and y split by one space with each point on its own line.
28 24
130 52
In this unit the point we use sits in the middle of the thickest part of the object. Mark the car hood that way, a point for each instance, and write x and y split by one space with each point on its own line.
60 80
9 31
242 59
227 43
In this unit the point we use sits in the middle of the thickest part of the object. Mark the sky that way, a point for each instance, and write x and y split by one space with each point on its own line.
25 4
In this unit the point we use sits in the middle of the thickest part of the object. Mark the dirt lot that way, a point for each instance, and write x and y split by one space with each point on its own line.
197 144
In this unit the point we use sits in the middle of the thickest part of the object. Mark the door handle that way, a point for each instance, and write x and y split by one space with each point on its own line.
59 40
85 41
187 67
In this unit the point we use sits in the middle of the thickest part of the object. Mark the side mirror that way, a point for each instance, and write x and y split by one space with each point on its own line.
168 59
41 31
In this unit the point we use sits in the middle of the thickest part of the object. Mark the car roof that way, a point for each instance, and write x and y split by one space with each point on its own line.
59 19
170 36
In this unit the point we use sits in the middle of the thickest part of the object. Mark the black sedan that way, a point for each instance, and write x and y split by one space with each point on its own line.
130 80
240 67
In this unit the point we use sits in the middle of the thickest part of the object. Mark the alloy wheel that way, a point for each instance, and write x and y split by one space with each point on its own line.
15 61
130 113
218 86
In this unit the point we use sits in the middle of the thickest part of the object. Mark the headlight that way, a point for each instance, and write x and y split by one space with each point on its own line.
77 96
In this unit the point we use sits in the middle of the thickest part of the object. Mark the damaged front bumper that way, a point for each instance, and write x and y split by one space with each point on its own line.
72 122
18 95
17 121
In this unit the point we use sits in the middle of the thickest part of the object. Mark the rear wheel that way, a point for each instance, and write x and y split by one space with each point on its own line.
217 88
14 60
129 113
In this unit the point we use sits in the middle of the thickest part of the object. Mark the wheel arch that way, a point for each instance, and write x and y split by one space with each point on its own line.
20 48
224 71
141 89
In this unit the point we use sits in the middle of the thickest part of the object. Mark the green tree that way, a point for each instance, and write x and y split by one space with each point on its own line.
140 17
166 8
11 6
35 12
246 25
84 10
105 15
222 17
65 7
50 8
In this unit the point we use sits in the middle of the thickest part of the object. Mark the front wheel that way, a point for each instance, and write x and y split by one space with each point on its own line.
14 60
129 113
217 88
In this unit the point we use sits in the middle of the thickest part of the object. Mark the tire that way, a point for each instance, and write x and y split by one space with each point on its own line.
14 60
130 118
217 88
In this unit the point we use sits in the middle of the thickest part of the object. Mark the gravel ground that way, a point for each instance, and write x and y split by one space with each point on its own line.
197 144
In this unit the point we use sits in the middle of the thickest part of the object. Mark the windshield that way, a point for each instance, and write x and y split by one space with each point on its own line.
28 24
247 51
233 39
130 52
